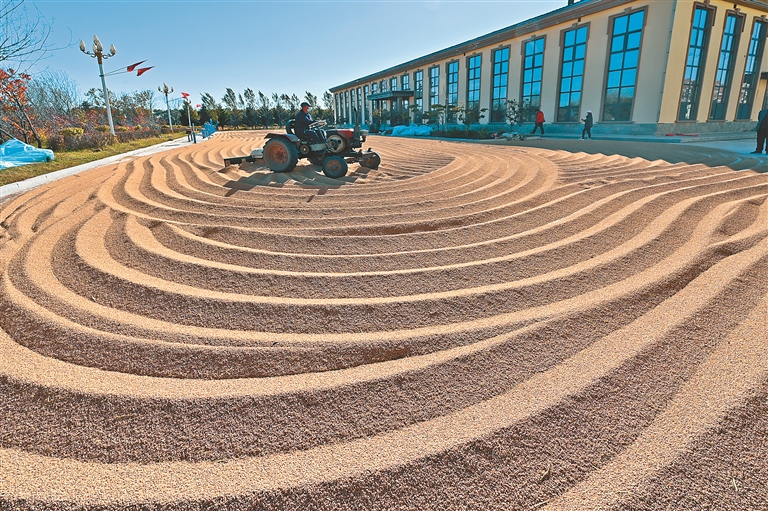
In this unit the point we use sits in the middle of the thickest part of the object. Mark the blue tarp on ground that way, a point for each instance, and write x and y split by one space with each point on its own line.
15 152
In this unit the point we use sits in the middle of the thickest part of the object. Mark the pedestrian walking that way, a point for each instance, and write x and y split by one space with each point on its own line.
587 125
539 122
762 131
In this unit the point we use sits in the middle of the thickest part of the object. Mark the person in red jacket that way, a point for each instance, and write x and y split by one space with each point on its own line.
539 122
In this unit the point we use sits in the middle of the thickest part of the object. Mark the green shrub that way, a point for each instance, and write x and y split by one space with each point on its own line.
70 132
102 129
483 133
136 135
76 143
121 128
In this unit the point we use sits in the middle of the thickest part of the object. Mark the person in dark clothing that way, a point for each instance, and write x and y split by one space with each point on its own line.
539 122
587 125
762 132
302 122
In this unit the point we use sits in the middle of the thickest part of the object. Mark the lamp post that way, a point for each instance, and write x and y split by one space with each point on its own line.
167 90
98 53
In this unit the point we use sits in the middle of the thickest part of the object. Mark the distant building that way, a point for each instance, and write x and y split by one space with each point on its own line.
641 67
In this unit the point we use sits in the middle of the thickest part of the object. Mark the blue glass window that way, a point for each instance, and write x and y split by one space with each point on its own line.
751 71
533 61
418 90
626 37
724 74
473 85
572 73
452 89
694 64
499 92
434 86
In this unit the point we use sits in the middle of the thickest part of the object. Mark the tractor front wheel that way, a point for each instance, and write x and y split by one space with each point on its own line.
335 167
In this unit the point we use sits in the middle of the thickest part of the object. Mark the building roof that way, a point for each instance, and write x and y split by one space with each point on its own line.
556 17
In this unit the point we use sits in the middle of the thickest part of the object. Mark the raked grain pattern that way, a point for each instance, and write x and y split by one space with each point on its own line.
466 327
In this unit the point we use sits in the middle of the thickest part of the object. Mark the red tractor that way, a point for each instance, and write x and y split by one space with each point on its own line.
332 149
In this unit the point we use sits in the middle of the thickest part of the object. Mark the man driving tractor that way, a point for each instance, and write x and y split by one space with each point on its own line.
302 122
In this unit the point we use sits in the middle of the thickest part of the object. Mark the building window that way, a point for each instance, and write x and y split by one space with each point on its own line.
347 111
533 64
393 84
365 103
404 83
499 91
434 86
751 71
337 109
624 57
418 90
572 74
694 64
451 90
725 62
473 85
359 105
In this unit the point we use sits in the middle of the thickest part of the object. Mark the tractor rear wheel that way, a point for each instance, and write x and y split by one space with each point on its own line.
335 167
336 143
280 155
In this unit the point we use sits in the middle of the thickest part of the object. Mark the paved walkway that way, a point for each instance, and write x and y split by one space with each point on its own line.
713 150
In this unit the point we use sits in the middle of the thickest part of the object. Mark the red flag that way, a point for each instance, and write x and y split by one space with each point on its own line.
143 70
185 95
133 66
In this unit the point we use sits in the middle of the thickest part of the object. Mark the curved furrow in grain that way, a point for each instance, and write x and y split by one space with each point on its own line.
484 327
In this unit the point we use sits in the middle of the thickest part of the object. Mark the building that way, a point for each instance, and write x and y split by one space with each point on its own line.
641 67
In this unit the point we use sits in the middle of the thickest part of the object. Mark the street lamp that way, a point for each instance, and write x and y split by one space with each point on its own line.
98 52
167 90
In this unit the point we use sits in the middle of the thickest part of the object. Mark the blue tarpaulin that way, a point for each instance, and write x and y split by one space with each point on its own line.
15 152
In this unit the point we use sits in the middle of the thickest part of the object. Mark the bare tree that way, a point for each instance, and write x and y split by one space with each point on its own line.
54 91
24 32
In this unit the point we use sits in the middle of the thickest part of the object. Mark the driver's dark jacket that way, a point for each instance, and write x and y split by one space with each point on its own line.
303 120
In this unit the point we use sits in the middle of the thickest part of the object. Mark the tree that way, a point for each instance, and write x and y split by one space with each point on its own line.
264 110
311 99
416 113
231 107
328 101
213 111
14 111
250 98
437 114
514 113
279 113
24 32
468 116
54 101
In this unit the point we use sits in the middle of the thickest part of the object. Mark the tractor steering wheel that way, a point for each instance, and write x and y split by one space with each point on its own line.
317 124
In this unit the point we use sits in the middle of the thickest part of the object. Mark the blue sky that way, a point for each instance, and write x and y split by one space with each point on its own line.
272 46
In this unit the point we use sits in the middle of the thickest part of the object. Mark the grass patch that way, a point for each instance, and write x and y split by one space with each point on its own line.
65 160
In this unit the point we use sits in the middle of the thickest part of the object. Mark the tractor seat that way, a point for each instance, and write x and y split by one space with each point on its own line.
289 127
